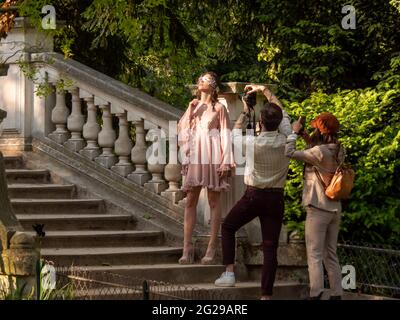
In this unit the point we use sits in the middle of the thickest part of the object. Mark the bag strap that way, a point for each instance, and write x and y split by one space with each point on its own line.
339 163
320 178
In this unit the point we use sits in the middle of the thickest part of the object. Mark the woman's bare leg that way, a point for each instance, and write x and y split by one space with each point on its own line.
215 208
188 225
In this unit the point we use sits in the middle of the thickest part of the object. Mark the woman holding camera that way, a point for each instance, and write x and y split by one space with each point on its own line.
321 158
204 137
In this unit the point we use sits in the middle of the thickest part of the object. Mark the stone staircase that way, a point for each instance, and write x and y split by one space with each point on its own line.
82 231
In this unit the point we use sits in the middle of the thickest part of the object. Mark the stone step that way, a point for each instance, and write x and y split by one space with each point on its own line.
40 191
181 274
100 238
111 256
13 162
250 290
66 206
194 291
27 176
72 222
283 273
167 272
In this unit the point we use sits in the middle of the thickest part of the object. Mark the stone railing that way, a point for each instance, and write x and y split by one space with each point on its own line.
141 120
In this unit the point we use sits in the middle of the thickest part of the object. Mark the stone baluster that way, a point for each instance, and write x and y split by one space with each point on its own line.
91 131
59 117
75 123
106 139
123 147
138 156
173 169
156 160
182 203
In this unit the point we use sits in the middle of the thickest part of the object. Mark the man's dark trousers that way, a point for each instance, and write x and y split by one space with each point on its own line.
268 206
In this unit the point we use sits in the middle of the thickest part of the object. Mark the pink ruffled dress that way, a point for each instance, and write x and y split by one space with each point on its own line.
205 147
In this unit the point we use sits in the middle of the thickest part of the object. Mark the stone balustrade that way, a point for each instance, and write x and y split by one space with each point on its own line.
112 128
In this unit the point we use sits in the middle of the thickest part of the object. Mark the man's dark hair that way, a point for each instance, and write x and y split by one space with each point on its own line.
271 116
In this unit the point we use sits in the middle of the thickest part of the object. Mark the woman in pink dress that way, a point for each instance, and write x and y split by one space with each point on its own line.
206 152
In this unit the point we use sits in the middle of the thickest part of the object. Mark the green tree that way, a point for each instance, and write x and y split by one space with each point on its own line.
307 50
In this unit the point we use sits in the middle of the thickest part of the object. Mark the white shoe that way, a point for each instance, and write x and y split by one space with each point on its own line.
227 279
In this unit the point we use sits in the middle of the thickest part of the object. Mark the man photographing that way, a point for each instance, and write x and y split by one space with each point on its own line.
265 178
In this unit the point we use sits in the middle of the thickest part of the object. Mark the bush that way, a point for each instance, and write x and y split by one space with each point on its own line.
370 132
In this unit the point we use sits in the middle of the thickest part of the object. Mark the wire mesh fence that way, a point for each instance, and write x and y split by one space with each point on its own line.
74 283
166 291
377 267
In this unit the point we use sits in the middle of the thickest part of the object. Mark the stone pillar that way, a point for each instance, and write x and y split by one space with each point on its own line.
138 156
174 176
59 117
107 138
123 147
41 124
19 267
17 95
75 123
173 169
91 131
156 160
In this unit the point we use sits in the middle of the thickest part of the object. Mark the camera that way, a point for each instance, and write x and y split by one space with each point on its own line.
250 99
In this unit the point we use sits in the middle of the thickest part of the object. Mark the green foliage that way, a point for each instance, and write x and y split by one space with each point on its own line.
307 50
161 45
147 216
43 88
396 4
15 291
370 129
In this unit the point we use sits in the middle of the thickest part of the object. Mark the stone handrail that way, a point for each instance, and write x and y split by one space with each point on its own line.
101 144
130 99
